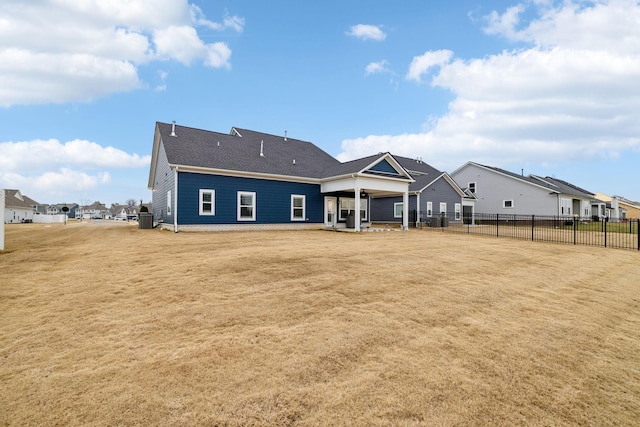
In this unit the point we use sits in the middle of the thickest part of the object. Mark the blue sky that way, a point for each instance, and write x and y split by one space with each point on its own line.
548 87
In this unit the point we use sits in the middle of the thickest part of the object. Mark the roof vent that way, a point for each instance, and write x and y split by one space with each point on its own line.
285 137
262 148
294 161
218 143
173 128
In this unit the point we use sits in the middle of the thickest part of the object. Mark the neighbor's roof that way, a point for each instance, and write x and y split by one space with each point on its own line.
15 199
241 149
553 184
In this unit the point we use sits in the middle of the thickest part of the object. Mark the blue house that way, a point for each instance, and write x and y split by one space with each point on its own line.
432 195
243 180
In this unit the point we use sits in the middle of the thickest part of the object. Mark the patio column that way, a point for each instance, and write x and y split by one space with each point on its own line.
356 226
405 209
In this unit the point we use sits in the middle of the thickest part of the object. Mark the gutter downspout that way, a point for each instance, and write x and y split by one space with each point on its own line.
175 197
418 210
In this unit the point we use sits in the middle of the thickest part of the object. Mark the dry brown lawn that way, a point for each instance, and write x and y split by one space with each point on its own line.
112 325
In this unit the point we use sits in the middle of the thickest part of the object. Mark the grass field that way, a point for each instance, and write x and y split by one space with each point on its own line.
112 325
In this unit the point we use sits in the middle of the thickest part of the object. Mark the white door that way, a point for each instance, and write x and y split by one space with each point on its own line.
330 211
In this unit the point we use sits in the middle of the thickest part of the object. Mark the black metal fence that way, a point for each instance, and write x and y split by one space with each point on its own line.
592 231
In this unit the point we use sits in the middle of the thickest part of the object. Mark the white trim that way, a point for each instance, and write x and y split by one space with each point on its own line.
445 207
201 192
253 206
429 209
504 204
175 205
457 207
304 207
2 202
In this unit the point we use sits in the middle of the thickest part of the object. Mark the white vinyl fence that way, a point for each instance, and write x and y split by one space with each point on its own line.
49 219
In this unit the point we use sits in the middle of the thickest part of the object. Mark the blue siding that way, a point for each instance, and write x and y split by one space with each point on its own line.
273 199
384 166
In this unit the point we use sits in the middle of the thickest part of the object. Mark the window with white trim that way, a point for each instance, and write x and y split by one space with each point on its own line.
207 202
169 202
443 208
458 209
397 209
429 209
472 187
349 205
246 206
298 203
507 204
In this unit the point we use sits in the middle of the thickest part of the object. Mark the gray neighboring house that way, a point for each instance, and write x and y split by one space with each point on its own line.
433 194
18 207
498 191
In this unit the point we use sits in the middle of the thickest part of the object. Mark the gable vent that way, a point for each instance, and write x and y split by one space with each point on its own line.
173 128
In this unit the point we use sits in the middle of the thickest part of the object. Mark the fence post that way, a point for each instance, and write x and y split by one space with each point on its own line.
575 230
606 220
497 224
533 222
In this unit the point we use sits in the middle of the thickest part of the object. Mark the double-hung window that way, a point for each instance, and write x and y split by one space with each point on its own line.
397 210
246 206
169 202
443 208
457 211
207 202
429 209
298 206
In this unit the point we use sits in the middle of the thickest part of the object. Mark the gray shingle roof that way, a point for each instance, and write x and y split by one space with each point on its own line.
553 184
15 199
214 150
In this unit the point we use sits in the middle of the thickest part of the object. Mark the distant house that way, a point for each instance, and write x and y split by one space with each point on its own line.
433 194
18 207
619 208
498 191
96 210
122 212
58 209
203 180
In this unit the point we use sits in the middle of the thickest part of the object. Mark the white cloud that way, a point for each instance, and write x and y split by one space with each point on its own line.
367 32
94 48
183 44
377 67
54 183
422 64
33 156
560 99
48 169
236 23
